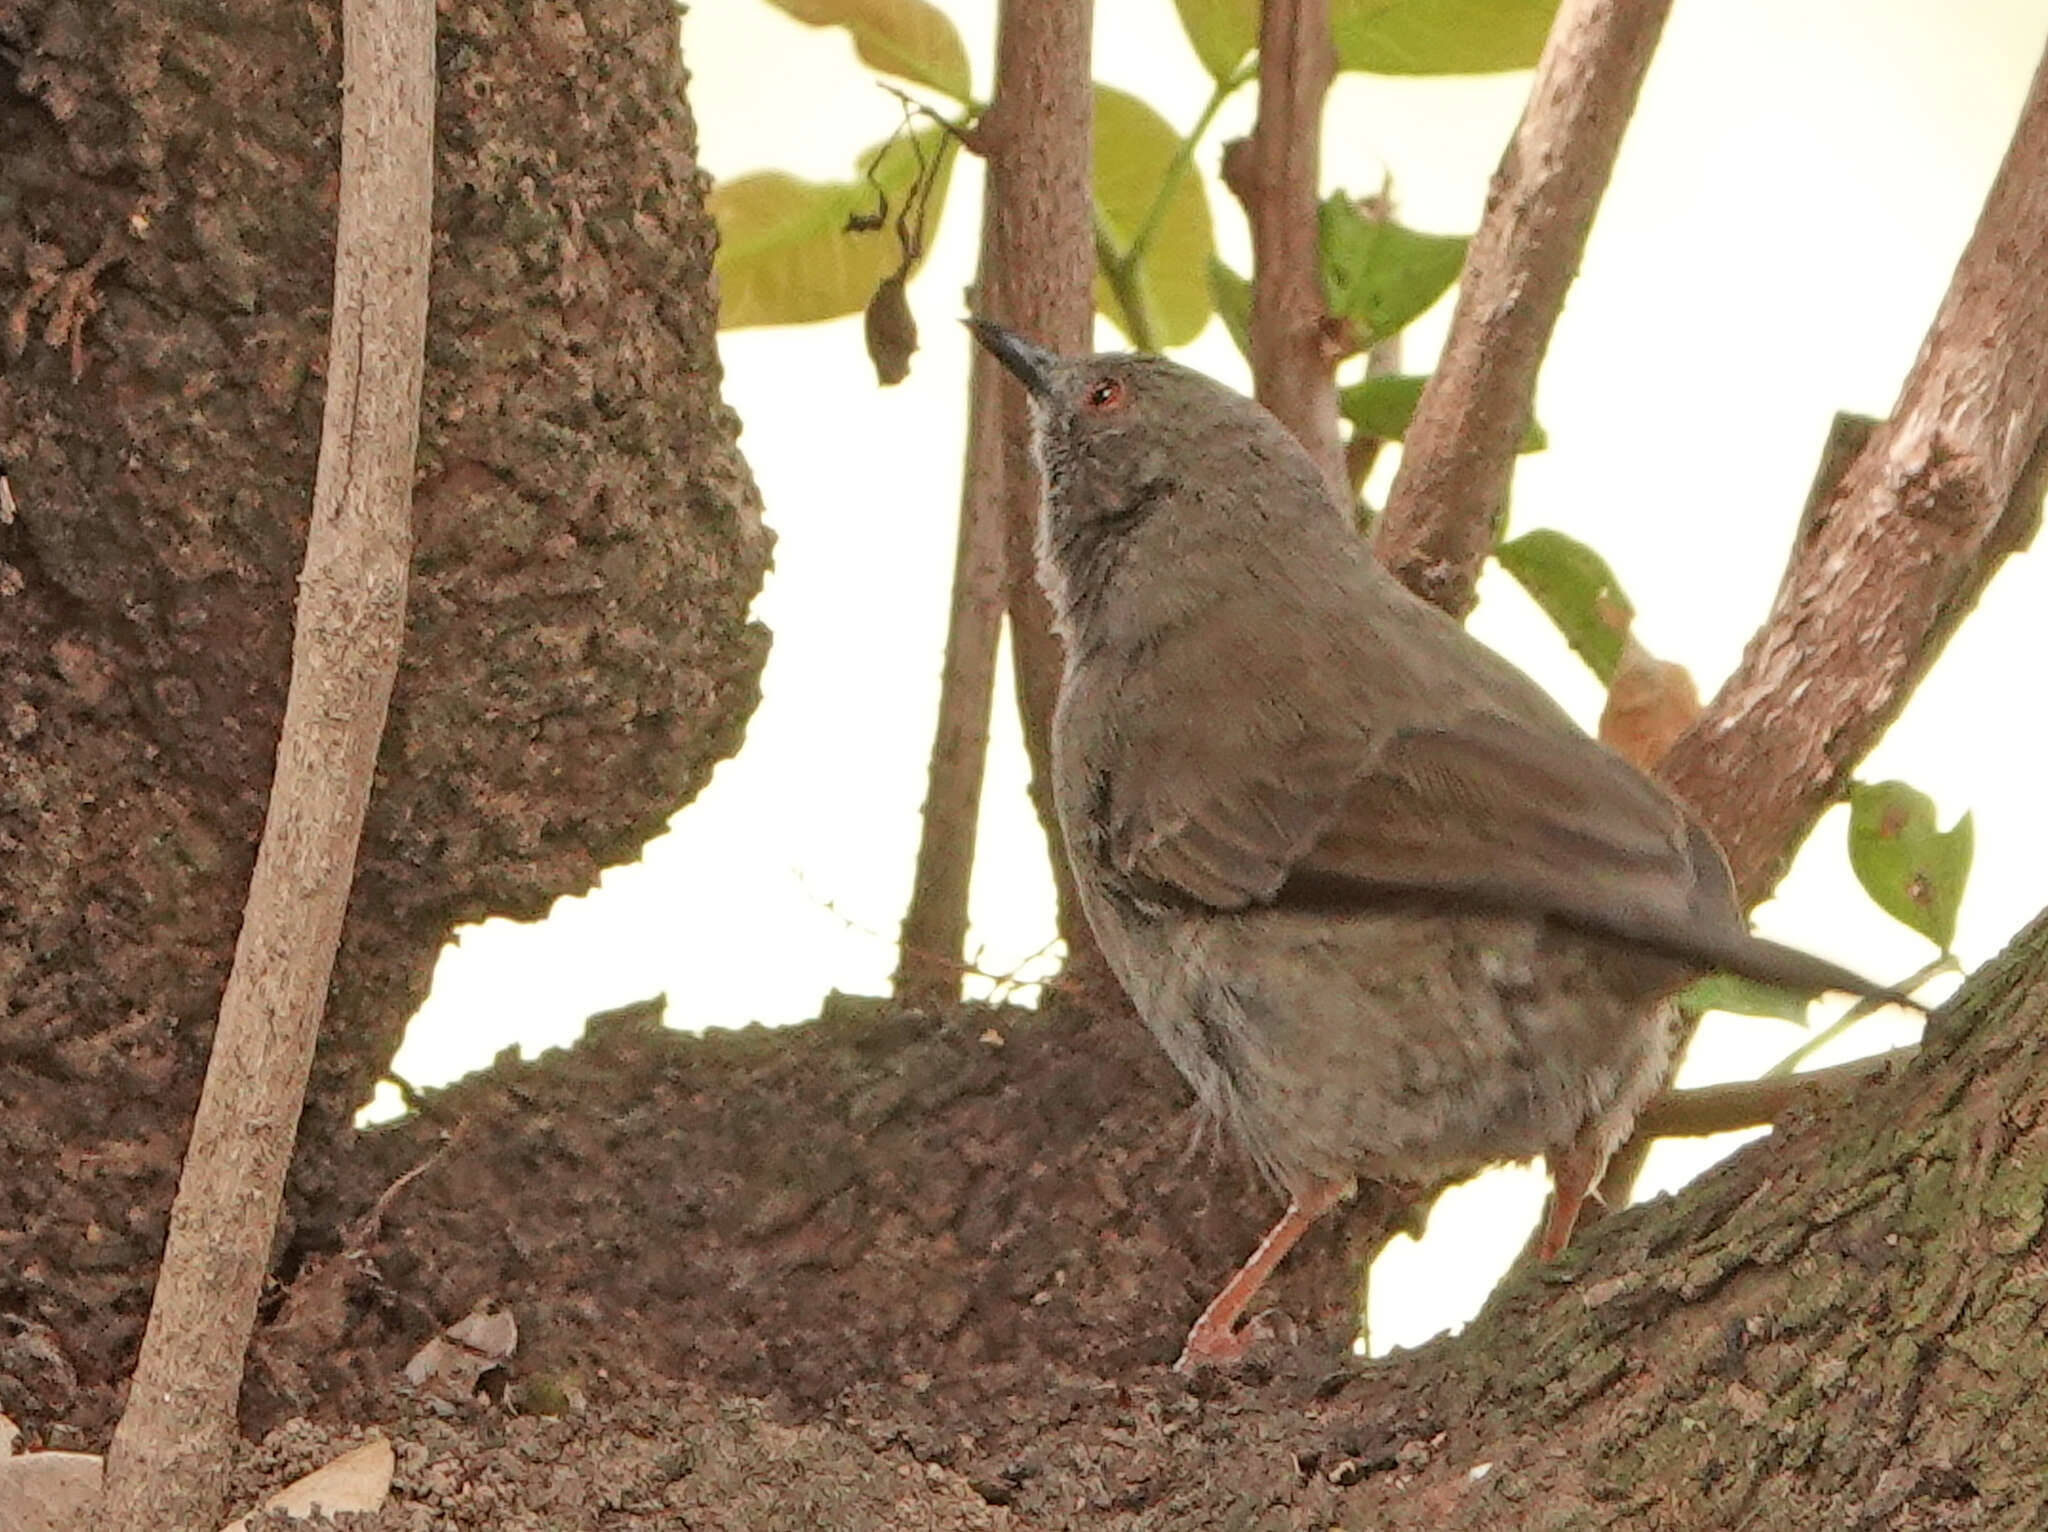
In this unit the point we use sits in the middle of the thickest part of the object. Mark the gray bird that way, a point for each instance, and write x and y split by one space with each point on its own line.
1387 908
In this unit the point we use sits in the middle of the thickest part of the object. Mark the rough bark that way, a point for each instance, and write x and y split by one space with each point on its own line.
577 654
977 1244
1451 489
167 1468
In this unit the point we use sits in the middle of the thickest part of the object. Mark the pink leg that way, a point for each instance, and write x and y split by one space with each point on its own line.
1215 1340
1573 1174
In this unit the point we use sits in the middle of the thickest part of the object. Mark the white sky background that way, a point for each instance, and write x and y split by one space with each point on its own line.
1797 184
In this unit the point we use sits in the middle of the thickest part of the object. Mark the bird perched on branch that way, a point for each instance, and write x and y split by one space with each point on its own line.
1390 912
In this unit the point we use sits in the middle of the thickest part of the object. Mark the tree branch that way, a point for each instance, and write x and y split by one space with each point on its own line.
1039 259
1448 496
1938 497
933 940
1276 177
1753 1103
167 1466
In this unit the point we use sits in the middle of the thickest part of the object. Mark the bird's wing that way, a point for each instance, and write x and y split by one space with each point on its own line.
1493 812
1483 812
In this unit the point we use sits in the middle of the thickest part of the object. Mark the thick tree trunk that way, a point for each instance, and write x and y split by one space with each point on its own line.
577 654
984 1240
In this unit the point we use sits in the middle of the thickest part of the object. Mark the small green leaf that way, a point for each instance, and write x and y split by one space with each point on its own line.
1440 36
1222 31
785 254
1576 590
1378 274
1914 870
907 38
1134 145
1232 296
1744 997
1383 406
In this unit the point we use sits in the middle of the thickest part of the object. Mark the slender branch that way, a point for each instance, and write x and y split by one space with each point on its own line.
168 1464
1939 496
1277 179
1040 260
1788 1066
1754 1103
1448 496
934 935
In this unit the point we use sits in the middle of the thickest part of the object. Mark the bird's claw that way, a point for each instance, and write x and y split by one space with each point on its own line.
1221 1345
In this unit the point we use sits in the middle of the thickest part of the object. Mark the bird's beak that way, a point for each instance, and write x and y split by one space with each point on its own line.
1033 366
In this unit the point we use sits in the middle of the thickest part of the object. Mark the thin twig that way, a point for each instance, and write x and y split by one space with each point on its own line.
1036 276
1739 1104
935 923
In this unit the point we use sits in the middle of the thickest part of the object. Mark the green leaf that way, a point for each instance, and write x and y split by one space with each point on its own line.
907 38
1440 36
1383 406
785 254
1378 274
1744 997
1576 590
1914 870
1222 31
1231 295
1134 145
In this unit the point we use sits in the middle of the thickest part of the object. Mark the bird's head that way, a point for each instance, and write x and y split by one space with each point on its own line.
1132 445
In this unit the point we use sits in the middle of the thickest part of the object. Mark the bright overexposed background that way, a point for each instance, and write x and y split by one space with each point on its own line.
1797 184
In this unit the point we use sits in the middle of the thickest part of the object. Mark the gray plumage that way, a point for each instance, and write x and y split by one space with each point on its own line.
1388 909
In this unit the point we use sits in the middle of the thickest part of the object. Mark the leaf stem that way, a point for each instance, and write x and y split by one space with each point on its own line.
1122 276
1183 158
1789 1064
1120 268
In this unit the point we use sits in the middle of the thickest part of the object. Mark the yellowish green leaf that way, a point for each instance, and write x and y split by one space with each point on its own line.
1134 147
911 39
785 252
1743 997
1914 870
1222 32
1379 274
1384 405
1231 295
1440 36
1576 590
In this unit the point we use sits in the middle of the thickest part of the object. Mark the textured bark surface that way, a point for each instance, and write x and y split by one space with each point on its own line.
577 655
964 1248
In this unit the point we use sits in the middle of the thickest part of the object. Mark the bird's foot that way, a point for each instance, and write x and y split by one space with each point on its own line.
1221 1345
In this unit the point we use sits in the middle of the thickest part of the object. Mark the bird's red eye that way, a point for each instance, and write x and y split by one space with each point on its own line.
1105 394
